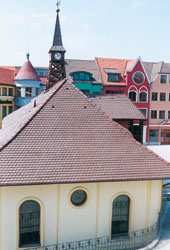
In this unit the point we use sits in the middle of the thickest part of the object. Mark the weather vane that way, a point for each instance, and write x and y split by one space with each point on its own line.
58 4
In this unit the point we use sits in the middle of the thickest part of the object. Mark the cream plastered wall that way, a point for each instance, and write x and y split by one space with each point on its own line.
62 222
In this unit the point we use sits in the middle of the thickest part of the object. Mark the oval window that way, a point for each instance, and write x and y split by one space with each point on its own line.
78 197
138 78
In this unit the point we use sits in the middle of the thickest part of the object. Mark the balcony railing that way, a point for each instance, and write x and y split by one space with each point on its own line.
130 241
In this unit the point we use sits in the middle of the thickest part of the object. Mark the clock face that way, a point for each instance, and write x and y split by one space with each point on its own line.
138 77
57 56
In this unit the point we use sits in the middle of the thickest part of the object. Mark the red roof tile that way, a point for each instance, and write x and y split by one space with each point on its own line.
109 63
27 72
118 107
68 139
6 76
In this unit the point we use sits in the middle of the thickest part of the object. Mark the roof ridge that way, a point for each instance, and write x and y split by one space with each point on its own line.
33 115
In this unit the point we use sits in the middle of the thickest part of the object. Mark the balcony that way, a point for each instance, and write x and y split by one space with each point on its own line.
130 241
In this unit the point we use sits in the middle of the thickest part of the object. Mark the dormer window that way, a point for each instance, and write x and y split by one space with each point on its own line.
112 75
113 78
81 76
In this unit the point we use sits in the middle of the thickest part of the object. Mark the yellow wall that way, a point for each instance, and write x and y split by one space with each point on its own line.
62 222
7 98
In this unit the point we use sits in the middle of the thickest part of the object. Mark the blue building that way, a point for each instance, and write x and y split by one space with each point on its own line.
28 84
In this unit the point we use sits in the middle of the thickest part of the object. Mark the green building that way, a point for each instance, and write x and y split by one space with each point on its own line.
85 75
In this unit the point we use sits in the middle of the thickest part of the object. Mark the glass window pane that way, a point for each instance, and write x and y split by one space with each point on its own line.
9 109
29 224
28 92
4 91
153 135
4 111
10 92
110 77
75 76
120 215
132 96
143 97
163 78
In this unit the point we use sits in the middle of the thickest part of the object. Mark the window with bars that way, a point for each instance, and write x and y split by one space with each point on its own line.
29 224
120 215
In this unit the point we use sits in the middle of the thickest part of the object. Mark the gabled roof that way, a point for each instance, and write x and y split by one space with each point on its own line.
6 76
27 72
67 139
118 107
74 65
109 63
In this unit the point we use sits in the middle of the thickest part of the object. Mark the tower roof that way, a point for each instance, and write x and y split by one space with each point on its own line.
57 40
27 72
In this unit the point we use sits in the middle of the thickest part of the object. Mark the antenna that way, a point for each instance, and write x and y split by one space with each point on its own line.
58 4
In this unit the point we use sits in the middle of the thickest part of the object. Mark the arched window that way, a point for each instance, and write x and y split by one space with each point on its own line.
120 215
29 224
143 97
132 96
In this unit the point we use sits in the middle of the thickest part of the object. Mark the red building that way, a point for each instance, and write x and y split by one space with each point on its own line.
127 77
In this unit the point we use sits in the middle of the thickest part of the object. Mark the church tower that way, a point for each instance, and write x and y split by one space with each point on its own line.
56 70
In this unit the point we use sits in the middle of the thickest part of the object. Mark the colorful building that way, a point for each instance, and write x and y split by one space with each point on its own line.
28 84
7 92
85 75
159 117
127 77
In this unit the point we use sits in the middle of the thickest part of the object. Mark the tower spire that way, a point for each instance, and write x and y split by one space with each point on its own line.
56 70
57 40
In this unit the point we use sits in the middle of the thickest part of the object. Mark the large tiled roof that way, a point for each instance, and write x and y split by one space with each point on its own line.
118 107
27 72
74 65
109 63
67 139
6 76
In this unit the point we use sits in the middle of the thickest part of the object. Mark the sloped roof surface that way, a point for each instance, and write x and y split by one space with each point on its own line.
66 139
27 72
109 63
118 107
6 76
73 65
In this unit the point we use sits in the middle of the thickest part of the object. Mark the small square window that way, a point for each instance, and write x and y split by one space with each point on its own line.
28 92
154 96
162 96
163 78
153 114
161 114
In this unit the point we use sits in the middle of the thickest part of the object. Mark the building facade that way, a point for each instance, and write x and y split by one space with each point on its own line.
127 77
28 84
159 117
7 92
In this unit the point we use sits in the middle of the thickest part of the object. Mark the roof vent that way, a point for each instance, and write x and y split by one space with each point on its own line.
35 103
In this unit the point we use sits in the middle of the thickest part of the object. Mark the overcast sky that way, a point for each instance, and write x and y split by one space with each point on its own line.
103 28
